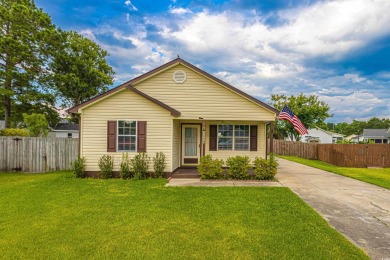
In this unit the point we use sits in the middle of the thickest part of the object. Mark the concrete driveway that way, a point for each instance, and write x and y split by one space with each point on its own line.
359 210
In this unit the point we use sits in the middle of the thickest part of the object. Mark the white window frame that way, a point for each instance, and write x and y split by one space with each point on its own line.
234 137
117 136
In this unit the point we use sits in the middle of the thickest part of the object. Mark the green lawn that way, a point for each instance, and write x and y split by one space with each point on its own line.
57 216
380 177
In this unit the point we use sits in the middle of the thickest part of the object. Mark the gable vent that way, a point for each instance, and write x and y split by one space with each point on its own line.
179 76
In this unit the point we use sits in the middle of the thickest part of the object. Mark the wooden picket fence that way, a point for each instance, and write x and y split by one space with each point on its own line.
344 155
37 154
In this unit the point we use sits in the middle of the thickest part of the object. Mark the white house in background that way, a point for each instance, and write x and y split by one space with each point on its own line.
322 136
354 138
378 136
2 124
65 130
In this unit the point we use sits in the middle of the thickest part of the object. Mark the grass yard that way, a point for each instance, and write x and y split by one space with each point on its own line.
57 216
379 177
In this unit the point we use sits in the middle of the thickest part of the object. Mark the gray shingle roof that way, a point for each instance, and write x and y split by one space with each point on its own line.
66 126
376 133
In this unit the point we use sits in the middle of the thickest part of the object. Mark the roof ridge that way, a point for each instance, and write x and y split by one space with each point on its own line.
167 65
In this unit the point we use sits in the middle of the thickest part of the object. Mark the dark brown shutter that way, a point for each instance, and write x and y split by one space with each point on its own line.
253 141
111 136
141 136
213 137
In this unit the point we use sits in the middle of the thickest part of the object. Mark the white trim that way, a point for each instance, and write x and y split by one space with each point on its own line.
73 131
117 136
198 143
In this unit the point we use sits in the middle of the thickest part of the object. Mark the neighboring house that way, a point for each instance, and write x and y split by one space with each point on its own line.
354 138
177 109
321 136
66 130
2 124
378 136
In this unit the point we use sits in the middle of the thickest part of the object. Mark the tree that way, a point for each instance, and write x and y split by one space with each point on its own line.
36 124
80 70
26 39
309 110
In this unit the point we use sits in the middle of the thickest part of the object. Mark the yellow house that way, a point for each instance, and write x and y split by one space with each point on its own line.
177 109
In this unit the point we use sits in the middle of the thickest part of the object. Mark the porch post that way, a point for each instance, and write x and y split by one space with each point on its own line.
271 138
203 153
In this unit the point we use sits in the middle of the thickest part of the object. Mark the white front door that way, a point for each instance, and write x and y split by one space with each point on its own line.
190 145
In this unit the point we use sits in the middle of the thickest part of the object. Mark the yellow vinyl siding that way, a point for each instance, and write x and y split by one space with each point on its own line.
176 129
224 154
125 105
199 96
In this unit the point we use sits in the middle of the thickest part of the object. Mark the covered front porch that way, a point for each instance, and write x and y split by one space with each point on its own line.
192 139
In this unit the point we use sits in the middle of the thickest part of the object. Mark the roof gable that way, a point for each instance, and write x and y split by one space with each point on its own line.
129 84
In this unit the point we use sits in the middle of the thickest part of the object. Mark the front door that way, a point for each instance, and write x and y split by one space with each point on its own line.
190 145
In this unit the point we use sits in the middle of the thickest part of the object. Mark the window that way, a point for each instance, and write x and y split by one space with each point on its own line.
233 137
127 136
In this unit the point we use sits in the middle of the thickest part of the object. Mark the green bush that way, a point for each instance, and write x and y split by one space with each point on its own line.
37 124
140 166
265 169
78 167
125 170
14 132
159 164
238 167
209 168
106 164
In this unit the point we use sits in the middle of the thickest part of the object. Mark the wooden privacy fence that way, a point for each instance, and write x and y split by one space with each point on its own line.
355 155
303 150
344 155
37 154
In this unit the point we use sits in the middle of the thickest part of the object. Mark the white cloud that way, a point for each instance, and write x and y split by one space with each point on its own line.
261 59
179 10
128 3
327 28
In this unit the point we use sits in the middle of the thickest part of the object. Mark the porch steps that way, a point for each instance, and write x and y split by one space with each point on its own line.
187 173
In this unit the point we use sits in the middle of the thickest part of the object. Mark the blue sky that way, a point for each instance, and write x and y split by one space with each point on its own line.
338 50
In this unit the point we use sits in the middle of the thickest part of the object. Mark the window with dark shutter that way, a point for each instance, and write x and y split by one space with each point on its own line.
253 141
111 136
141 137
213 137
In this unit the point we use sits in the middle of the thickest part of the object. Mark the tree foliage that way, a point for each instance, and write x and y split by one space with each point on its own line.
357 127
26 41
36 124
41 65
311 111
80 70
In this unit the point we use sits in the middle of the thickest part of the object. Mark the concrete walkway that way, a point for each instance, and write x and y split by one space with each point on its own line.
220 183
359 210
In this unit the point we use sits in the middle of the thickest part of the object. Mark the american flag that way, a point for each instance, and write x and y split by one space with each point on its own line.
287 114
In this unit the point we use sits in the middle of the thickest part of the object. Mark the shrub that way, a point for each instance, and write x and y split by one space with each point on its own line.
37 124
210 168
265 169
125 170
78 167
238 167
106 164
159 164
14 132
140 166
